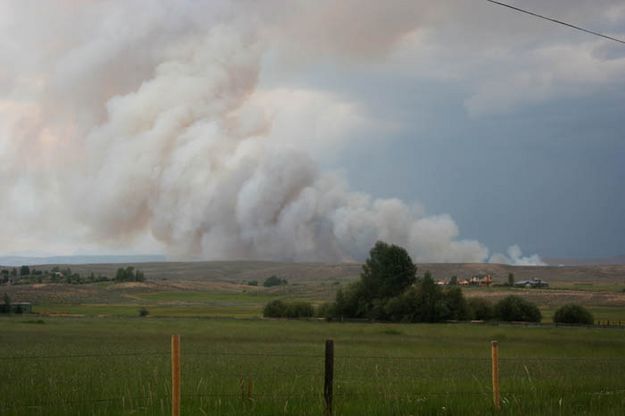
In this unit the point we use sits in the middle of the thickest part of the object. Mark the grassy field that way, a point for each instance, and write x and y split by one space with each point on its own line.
120 366
219 289
85 351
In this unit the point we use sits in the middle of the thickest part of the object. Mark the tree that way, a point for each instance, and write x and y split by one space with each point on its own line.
453 281
275 309
430 305
515 308
7 300
129 274
24 271
510 279
350 302
404 307
388 290
388 271
274 281
573 314
281 309
480 309
299 310
456 304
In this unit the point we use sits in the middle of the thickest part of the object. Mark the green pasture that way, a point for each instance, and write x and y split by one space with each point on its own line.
120 366
249 303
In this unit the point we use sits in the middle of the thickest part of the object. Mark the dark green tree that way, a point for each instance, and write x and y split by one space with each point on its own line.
480 309
430 305
515 308
456 304
510 279
573 314
404 307
24 271
388 271
275 309
129 274
274 281
388 290
350 302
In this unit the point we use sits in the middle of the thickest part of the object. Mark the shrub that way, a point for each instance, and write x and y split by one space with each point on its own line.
325 310
515 308
143 312
456 304
573 314
349 302
275 309
274 281
281 309
299 310
129 274
480 309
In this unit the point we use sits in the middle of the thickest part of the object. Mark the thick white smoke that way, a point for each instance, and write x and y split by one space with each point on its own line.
134 121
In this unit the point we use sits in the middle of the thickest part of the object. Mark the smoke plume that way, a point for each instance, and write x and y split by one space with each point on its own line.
149 121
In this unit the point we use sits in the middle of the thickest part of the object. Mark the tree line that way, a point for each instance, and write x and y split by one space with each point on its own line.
389 290
57 274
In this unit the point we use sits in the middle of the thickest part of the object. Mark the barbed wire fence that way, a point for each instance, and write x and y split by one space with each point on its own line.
331 373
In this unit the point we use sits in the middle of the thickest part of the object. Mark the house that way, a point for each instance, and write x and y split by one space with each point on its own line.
478 280
534 283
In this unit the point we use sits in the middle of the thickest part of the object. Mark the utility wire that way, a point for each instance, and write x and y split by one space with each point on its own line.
556 21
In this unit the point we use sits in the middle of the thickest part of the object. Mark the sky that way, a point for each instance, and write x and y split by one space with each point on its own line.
461 130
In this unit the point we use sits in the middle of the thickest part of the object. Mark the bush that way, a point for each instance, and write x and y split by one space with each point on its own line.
129 274
143 312
350 302
456 304
275 309
281 309
515 308
274 281
480 309
299 310
573 314
325 310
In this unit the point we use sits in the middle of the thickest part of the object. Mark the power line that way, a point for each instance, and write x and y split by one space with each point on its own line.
556 21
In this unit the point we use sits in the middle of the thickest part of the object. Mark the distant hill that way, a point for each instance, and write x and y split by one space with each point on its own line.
237 271
30 261
585 262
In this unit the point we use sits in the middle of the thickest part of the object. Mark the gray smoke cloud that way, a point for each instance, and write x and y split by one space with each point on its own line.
131 122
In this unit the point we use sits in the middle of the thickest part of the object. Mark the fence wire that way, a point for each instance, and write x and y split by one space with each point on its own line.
342 379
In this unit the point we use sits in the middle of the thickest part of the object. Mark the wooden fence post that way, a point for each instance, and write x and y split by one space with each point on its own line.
250 389
175 375
329 377
495 370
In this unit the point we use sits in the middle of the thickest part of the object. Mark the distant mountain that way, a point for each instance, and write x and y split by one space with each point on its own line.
586 262
31 261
